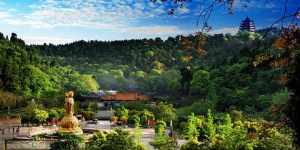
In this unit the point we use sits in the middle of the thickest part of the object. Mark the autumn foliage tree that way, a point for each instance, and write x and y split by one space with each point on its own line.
289 44
287 58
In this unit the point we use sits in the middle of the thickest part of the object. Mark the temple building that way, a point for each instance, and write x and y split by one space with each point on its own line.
106 100
247 25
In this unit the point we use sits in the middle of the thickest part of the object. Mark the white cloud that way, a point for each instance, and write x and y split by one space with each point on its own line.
91 13
21 22
245 5
4 15
183 10
125 33
231 30
117 17
46 39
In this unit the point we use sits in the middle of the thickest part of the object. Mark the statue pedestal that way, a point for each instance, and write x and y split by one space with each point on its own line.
70 124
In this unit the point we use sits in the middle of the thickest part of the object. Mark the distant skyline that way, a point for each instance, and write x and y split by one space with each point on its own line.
64 21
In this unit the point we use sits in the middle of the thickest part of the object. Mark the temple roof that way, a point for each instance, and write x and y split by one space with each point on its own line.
125 96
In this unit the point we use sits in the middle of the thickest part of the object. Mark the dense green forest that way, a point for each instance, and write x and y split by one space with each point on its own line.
225 74
225 77
24 75
229 76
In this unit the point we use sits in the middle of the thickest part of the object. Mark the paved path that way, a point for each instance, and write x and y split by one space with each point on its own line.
147 133
147 137
26 132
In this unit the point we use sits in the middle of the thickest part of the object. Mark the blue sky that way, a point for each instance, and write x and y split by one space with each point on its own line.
62 21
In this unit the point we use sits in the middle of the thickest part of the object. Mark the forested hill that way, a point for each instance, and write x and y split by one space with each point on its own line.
139 53
223 63
25 75
222 66
131 52
228 73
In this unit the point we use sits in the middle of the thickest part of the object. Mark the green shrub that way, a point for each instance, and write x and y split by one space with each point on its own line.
165 112
275 140
116 140
145 116
192 145
236 115
161 140
134 120
199 108
53 114
191 127
97 141
201 79
164 143
241 134
160 128
40 116
281 97
88 115
138 106
68 142
122 113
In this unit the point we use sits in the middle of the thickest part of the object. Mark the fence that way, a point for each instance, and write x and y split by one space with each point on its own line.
16 129
28 144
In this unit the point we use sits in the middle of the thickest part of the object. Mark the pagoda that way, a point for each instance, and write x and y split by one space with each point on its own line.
247 25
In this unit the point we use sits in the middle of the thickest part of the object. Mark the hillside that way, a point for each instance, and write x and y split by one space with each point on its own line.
198 74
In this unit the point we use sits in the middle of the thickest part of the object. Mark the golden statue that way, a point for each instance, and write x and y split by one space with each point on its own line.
69 123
